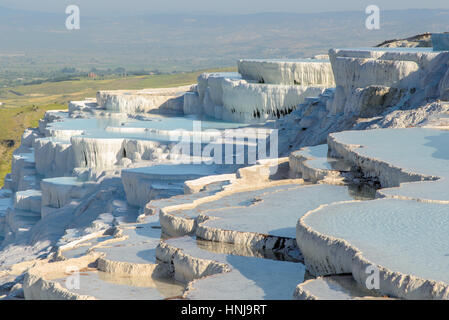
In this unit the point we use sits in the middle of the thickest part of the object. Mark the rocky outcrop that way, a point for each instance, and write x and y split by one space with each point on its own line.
420 40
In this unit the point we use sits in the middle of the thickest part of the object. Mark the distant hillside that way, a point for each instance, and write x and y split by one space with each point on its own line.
33 42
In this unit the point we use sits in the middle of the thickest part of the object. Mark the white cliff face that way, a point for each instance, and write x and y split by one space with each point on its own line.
210 91
58 192
259 102
213 82
361 100
140 101
244 97
53 158
363 72
192 103
307 72
418 72
97 153
29 200
255 225
49 117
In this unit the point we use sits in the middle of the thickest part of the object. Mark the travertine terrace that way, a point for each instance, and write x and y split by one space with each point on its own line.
295 178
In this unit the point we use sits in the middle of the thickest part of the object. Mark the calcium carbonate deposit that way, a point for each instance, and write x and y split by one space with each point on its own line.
289 179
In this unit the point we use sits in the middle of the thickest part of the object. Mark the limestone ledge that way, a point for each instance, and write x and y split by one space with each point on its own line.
388 175
38 284
186 268
326 255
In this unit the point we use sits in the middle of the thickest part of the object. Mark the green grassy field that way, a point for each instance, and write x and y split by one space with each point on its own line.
23 106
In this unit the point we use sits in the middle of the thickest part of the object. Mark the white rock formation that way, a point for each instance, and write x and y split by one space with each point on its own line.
420 40
404 175
180 215
261 219
197 185
37 282
411 165
333 288
226 96
140 101
313 164
252 102
227 276
418 72
332 247
160 181
58 192
192 103
54 158
306 72
400 97
29 200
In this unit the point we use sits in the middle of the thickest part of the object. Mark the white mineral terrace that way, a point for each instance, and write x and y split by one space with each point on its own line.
410 239
333 288
160 100
228 276
300 72
388 155
313 164
103 188
401 71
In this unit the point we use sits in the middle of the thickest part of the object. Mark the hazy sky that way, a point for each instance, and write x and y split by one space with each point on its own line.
93 7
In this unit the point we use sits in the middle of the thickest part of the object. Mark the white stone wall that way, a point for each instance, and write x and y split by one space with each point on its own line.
307 72
420 73
251 102
160 100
